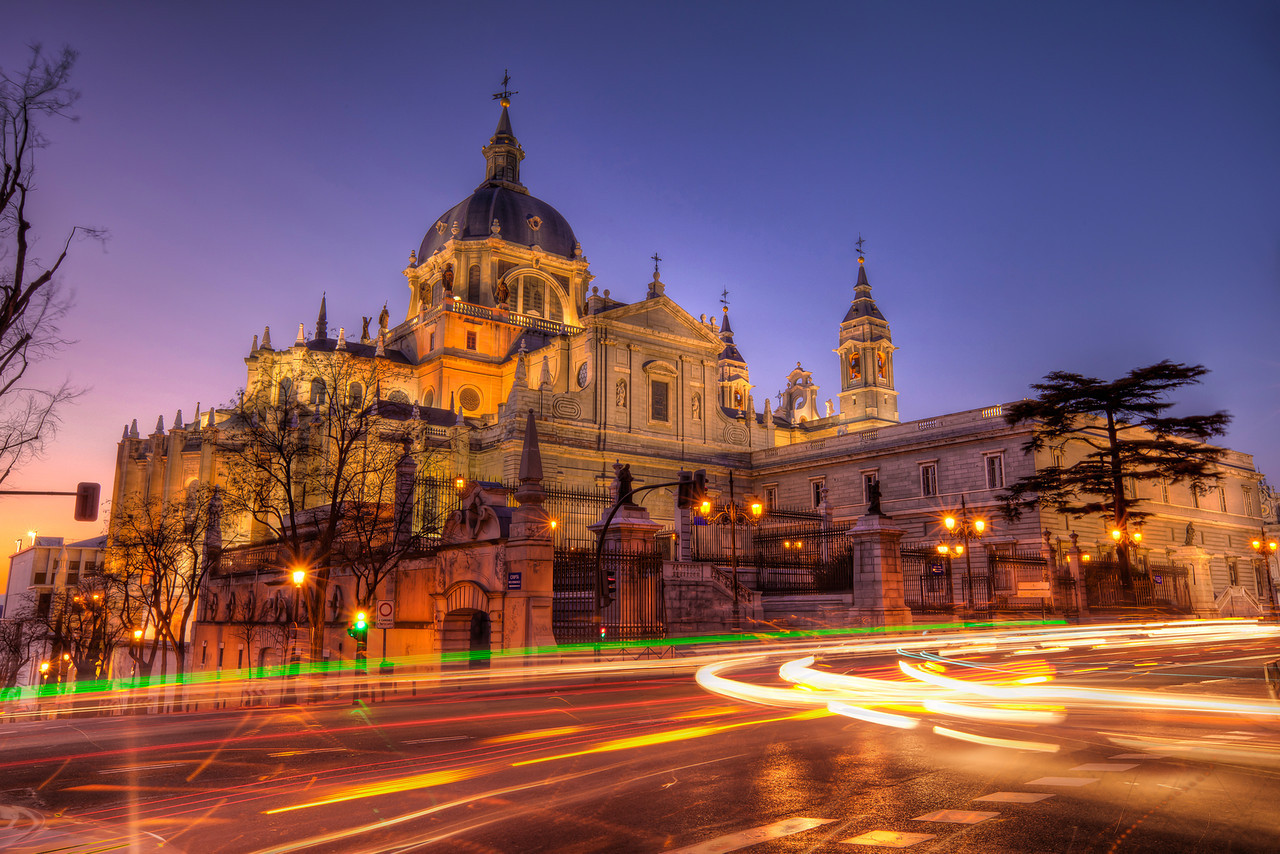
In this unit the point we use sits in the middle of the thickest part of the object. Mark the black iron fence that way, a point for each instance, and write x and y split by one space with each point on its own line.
637 611
1151 585
571 508
802 559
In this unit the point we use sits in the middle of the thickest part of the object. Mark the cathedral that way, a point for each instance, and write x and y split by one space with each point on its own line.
504 319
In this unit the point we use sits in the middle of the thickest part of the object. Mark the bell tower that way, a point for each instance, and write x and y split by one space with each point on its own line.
868 397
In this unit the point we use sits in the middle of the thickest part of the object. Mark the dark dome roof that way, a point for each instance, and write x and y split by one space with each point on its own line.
514 211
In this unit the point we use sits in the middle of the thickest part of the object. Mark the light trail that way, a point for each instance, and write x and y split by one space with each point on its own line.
1005 680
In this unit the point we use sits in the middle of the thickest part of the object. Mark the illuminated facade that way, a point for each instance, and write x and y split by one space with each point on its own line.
503 318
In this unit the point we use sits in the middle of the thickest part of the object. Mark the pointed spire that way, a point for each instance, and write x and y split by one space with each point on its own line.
211 422
133 429
863 304
254 348
160 425
177 421
460 422
196 419
342 338
322 322
503 153
530 490
125 435
544 378
266 338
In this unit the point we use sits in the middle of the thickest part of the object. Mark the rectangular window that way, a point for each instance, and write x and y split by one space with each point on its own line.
658 397
1233 571
818 486
1164 491
1059 461
1250 509
770 497
868 479
73 573
1130 488
995 471
471 340
431 343
928 480
1195 496
1222 499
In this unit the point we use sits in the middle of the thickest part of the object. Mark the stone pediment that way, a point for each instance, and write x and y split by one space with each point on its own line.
663 316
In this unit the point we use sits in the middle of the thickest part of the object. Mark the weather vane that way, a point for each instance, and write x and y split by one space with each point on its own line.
724 298
505 95
858 243
656 259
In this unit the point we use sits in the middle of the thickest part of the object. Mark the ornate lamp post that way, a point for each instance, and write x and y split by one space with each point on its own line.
1264 546
734 516
960 531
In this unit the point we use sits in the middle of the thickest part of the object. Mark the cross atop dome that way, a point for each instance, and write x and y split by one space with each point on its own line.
505 95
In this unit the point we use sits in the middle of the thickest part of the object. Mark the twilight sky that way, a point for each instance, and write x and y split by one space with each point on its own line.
1042 186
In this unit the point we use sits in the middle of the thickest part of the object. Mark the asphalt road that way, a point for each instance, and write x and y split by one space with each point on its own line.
653 763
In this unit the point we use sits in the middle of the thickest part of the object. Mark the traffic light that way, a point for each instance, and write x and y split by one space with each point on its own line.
87 502
691 489
359 628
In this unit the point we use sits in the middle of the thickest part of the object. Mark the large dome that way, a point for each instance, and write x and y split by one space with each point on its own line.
522 219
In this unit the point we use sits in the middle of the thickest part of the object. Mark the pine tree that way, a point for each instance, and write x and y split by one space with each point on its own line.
1126 435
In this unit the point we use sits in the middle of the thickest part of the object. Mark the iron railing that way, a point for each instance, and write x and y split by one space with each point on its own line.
637 611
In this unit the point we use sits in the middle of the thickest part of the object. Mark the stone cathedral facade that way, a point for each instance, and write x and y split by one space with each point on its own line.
504 317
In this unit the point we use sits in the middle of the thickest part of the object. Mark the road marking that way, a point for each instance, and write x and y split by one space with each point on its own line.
1105 766
888 839
1015 797
442 738
129 768
1062 781
1139 756
742 839
302 751
957 816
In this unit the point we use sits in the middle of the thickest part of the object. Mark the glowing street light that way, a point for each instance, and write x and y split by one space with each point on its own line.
1264 547
963 529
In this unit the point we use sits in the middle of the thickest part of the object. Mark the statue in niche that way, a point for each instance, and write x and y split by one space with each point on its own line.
424 294
855 366
1190 538
501 293
620 394
697 406
383 318
448 278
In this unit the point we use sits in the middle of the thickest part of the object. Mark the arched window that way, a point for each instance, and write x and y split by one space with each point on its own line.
473 284
536 297
398 396
430 398
285 391
319 392
355 395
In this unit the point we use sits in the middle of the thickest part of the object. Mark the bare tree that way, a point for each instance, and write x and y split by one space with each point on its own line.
17 640
305 447
31 303
161 549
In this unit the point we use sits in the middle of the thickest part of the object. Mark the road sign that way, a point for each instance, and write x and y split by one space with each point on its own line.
385 614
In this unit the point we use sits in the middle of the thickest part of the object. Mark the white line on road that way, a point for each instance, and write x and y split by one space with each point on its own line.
140 768
744 838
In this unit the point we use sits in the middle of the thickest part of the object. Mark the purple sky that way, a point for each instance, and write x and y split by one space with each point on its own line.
1083 186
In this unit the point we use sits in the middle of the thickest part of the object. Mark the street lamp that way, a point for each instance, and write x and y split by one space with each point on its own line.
963 529
734 515
1264 547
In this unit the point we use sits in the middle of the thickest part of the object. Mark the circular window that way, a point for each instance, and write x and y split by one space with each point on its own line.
470 399
582 375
